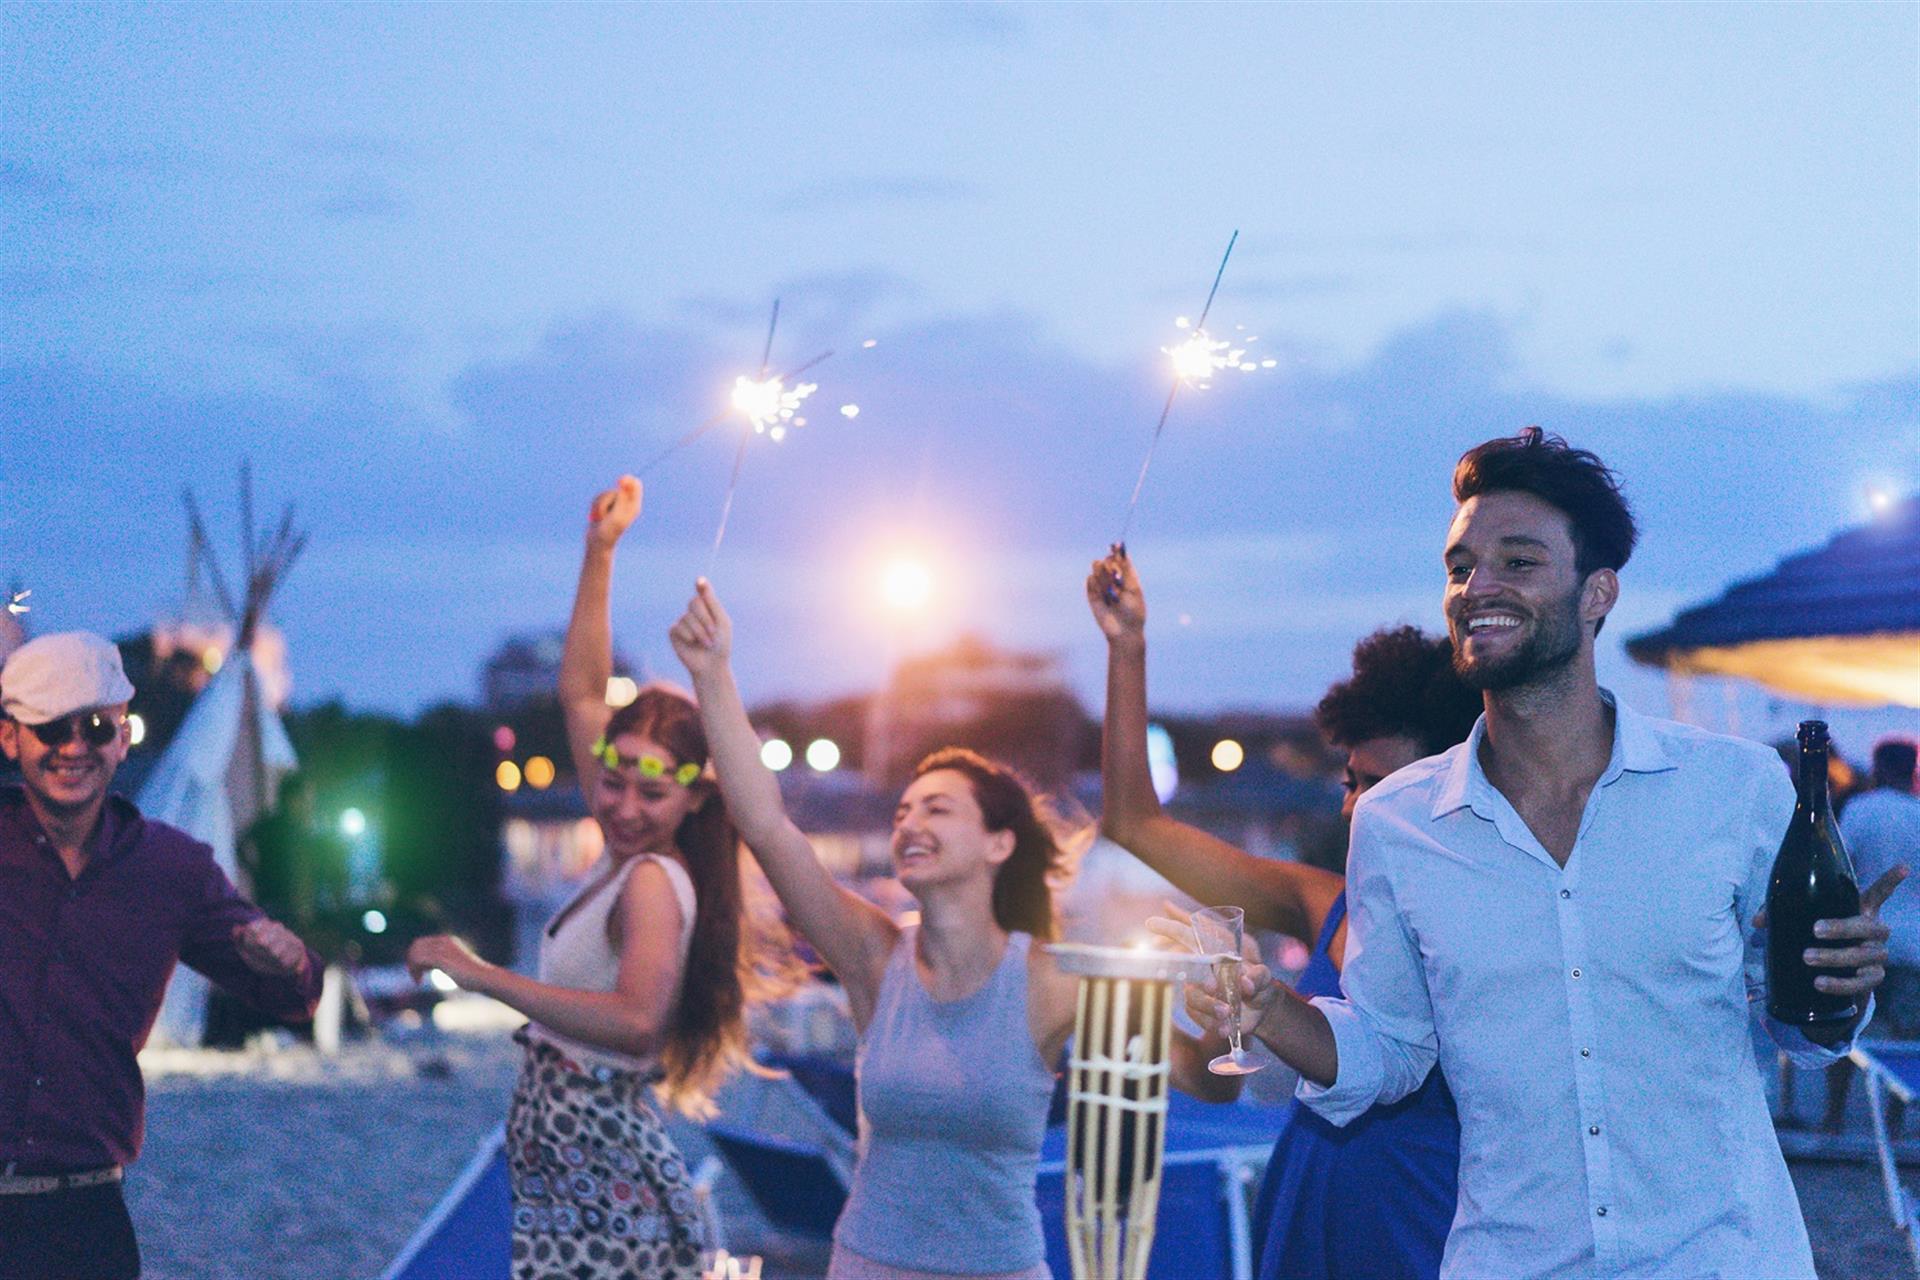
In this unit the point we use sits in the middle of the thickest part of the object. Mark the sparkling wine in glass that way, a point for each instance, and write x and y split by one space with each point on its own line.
1218 932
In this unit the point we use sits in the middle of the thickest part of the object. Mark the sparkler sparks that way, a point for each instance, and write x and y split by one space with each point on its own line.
770 404
1197 359
1194 362
17 603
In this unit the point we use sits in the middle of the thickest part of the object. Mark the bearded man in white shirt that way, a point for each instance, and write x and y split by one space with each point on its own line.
1557 912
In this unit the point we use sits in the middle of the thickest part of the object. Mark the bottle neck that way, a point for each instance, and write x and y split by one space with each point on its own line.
1813 779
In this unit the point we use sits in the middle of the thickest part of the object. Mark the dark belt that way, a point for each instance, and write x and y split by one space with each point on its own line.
39 1184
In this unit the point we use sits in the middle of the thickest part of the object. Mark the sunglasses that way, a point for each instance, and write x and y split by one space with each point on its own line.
96 729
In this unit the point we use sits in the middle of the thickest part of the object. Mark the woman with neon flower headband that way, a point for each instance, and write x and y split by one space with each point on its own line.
643 975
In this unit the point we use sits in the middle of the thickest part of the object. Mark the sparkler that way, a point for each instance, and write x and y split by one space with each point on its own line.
771 406
1194 363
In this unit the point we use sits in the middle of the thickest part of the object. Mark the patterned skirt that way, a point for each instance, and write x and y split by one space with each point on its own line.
599 1191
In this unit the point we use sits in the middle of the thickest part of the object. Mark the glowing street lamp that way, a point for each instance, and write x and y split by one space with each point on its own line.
1228 755
906 583
776 754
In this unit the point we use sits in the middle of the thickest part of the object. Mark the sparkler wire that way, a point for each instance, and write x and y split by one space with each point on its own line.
1160 426
766 352
726 507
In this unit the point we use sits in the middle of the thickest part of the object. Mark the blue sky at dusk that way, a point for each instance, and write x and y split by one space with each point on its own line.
442 272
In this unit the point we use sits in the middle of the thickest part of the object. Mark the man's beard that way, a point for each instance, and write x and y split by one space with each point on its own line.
1554 643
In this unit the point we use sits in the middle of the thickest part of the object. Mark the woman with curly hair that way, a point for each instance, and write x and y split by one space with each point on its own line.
643 977
1375 1198
960 1016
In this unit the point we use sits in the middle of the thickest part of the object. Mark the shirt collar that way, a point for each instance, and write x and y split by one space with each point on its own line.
118 819
1636 749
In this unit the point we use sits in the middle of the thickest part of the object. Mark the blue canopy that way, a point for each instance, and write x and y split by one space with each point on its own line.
1836 625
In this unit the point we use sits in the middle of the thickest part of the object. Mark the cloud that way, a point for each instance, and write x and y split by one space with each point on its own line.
968 22
36 193
359 146
362 202
1281 288
896 189
1286 513
817 308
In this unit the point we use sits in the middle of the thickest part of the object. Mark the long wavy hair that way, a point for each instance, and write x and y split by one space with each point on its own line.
1022 894
733 958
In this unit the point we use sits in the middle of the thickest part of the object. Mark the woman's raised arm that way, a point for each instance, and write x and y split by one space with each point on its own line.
852 935
1282 896
586 663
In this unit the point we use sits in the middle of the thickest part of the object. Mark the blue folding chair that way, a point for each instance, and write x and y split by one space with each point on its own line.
1203 1228
829 1082
1892 1067
469 1234
797 1186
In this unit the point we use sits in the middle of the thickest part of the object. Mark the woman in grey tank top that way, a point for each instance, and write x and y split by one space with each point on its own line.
959 1016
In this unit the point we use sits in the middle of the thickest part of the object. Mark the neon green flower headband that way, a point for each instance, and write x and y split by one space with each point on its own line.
648 766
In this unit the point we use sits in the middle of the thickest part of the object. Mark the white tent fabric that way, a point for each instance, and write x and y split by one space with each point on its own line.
219 774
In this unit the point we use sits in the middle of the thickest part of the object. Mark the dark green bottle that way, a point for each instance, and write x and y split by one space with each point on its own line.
1812 880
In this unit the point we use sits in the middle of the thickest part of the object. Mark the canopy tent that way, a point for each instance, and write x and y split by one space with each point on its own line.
219 775
1837 626
221 772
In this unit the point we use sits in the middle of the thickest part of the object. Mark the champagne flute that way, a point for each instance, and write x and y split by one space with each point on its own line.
1218 932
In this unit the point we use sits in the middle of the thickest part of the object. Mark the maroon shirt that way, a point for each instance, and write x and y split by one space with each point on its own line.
83 966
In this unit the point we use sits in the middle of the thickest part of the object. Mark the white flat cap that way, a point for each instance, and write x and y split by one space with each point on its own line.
60 674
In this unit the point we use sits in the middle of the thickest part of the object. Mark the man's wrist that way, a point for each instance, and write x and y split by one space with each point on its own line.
1128 642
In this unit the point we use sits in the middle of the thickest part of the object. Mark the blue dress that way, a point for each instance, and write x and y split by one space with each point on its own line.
1371 1201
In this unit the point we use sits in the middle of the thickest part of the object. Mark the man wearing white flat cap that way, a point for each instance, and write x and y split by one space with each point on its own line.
97 904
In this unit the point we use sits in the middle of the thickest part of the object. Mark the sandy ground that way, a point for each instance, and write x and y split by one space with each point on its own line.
286 1166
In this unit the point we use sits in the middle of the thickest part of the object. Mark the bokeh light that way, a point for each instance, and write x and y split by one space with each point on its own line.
507 776
776 754
1228 755
823 755
906 583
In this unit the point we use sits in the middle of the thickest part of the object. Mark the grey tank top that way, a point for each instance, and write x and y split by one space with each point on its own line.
953 1107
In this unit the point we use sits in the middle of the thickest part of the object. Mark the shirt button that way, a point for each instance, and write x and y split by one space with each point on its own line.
1566 893
1601 1211
1586 1053
1593 1130
38 1081
1576 973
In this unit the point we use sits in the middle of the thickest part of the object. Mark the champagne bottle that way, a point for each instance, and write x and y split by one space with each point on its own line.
1812 880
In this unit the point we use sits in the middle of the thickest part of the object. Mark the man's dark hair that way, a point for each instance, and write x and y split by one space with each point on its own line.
1403 685
1893 762
1574 481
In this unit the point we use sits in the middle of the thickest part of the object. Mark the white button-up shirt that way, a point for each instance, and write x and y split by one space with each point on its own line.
1592 1020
